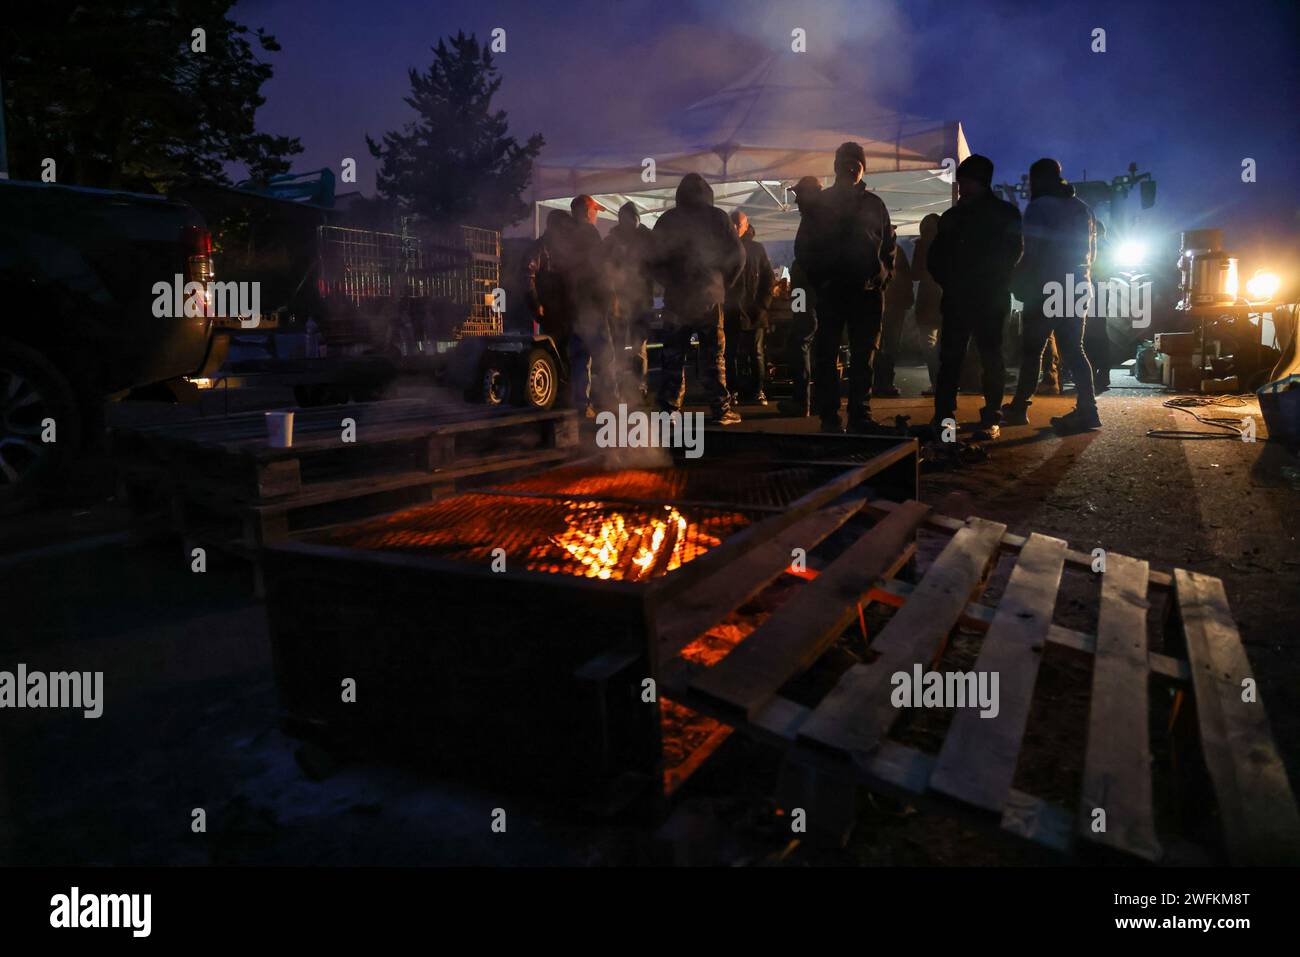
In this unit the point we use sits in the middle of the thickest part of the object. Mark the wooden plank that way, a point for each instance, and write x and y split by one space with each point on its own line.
797 634
854 718
1117 767
1257 808
977 616
1013 543
978 759
703 606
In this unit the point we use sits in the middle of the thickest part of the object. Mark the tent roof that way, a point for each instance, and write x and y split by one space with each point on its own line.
755 138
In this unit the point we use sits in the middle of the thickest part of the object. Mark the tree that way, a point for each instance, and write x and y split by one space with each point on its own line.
456 163
117 95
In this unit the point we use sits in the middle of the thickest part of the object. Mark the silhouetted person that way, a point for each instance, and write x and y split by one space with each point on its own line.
629 249
1060 243
745 314
697 256
898 299
846 246
972 258
1096 339
928 296
548 295
591 350
803 323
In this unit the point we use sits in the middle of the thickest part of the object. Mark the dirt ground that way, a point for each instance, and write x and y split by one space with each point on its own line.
190 721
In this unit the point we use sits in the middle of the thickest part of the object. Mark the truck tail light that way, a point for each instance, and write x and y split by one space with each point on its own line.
197 243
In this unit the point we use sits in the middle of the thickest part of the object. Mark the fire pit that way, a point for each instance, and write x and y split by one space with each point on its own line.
514 627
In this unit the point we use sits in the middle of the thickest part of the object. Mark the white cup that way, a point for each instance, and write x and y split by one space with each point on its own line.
279 429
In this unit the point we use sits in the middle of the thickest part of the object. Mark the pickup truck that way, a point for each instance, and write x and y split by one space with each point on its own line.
78 268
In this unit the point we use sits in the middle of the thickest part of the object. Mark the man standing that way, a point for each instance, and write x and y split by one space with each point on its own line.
628 249
697 256
591 350
1060 243
972 258
745 315
803 325
846 246
898 299
928 297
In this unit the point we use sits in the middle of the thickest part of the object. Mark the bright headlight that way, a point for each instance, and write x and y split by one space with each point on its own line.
1263 286
1131 252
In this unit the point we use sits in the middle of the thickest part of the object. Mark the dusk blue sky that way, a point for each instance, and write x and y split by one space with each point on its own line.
1187 90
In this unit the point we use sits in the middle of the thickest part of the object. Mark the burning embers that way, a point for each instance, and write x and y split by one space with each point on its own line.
637 551
584 537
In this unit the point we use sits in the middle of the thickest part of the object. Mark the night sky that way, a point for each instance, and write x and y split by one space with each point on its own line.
1186 90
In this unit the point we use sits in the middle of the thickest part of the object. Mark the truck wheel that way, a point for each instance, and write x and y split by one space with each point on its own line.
541 380
495 385
35 399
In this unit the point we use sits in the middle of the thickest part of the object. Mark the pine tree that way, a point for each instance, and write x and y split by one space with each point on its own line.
456 163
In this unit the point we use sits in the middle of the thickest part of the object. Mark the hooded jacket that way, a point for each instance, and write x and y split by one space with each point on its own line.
628 254
1060 238
751 297
844 238
974 254
697 254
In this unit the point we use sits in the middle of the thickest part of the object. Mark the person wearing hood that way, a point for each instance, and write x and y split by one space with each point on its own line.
745 314
972 258
1060 245
591 348
899 297
628 252
803 325
697 257
846 246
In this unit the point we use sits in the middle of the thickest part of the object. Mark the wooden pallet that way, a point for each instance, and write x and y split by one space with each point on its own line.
222 473
844 737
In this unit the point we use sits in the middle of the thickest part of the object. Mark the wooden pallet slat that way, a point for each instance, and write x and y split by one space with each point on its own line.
854 718
1257 808
1117 766
978 759
797 634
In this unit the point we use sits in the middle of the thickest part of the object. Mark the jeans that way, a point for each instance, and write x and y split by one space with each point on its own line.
799 352
746 359
591 363
1069 332
858 310
985 327
713 346
930 343
891 334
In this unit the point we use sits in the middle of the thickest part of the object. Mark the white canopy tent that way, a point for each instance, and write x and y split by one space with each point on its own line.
752 141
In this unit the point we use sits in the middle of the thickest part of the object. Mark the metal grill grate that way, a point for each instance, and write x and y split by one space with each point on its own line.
758 486
587 539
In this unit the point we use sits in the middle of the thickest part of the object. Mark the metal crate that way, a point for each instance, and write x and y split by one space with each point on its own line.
376 271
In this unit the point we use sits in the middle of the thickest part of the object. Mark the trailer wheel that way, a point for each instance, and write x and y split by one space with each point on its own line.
541 379
495 388
33 394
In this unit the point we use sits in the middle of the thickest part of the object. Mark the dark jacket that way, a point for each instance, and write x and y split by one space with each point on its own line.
749 299
628 254
697 254
1060 238
973 256
898 294
928 292
844 238
548 293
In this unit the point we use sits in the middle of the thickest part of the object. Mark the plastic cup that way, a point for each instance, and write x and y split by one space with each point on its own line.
279 429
